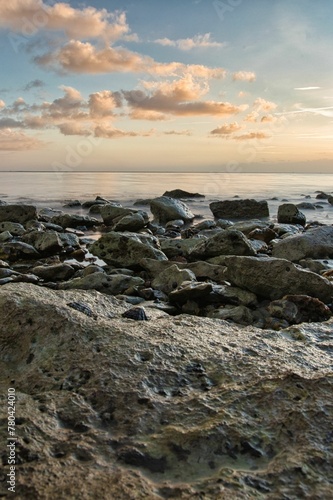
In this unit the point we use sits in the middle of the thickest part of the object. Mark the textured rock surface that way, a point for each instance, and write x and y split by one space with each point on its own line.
165 209
121 249
180 193
272 278
17 213
186 408
112 211
315 243
289 214
225 242
111 285
239 209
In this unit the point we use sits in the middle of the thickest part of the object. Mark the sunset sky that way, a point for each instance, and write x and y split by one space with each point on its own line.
190 85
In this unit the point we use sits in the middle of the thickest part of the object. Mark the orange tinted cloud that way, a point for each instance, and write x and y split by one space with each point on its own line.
227 129
251 136
11 140
263 105
244 76
198 41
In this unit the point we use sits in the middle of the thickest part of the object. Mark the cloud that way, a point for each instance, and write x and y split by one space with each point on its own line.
103 104
177 132
307 88
252 117
11 140
34 84
251 136
107 132
227 129
263 105
10 123
31 16
73 129
198 41
244 76
268 119
2 104
142 114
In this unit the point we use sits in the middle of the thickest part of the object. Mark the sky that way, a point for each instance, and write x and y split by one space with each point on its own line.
149 85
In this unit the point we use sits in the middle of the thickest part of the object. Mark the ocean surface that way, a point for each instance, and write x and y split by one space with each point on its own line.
54 189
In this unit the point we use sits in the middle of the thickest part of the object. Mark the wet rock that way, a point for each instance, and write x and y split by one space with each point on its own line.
330 200
72 203
171 278
92 268
111 211
182 247
111 285
287 229
266 235
17 249
306 206
289 214
48 242
73 220
133 222
97 201
69 240
239 209
175 224
13 227
322 196
224 224
202 270
5 236
190 292
226 242
3 264
247 226
239 314
205 224
273 278
56 272
165 209
121 249
46 214
179 193
227 294
136 313
316 243
17 213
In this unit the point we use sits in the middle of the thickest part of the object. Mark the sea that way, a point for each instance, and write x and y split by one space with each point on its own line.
55 189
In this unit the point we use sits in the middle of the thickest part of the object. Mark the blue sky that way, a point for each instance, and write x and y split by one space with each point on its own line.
181 86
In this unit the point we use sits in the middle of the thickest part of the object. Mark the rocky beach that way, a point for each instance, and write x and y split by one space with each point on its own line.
157 354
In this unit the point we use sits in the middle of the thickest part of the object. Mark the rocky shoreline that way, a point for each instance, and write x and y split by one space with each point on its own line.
167 358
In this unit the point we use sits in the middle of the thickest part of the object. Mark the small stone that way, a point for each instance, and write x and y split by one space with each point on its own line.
289 214
136 313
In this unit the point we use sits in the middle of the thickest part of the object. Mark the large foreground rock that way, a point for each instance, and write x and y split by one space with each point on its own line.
239 209
272 278
225 242
315 243
17 213
182 408
126 249
165 209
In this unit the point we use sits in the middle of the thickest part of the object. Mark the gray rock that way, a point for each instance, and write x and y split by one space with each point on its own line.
306 206
202 270
126 249
239 209
69 240
133 222
205 224
178 247
48 242
224 223
190 292
73 220
248 226
5 236
17 249
272 278
316 243
287 229
92 268
179 193
239 314
55 272
289 214
111 285
13 227
322 196
330 200
47 213
165 209
17 213
111 211
226 294
172 278
226 242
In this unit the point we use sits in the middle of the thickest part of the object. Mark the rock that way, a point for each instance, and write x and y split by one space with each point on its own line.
110 212
284 309
72 203
316 243
5 236
69 240
48 242
309 308
3 264
136 313
73 220
226 294
289 214
133 222
306 206
239 314
172 248
179 193
205 224
98 201
165 209
239 209
272 278
92 268
287 229
330 200
17 213
111 285
17 249
202 270
172 278
226 242
266 235
46 214
190 292
125 249
110 408
322 196
248 226
175 224
55 272
224 224
13 227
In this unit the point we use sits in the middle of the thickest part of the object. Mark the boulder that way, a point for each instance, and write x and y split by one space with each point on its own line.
5 236
17 213
48 242
73 220
202 270
272 278
111 211
126 249
300 308
107 404
55 272
239 209
13 227
132 222
226 242
316 243
179 193
165 209
175 247
111 285
18 249
289 214
188 292
330 200
239 314
172 278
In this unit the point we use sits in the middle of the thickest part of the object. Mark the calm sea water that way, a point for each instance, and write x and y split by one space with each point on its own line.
54 189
